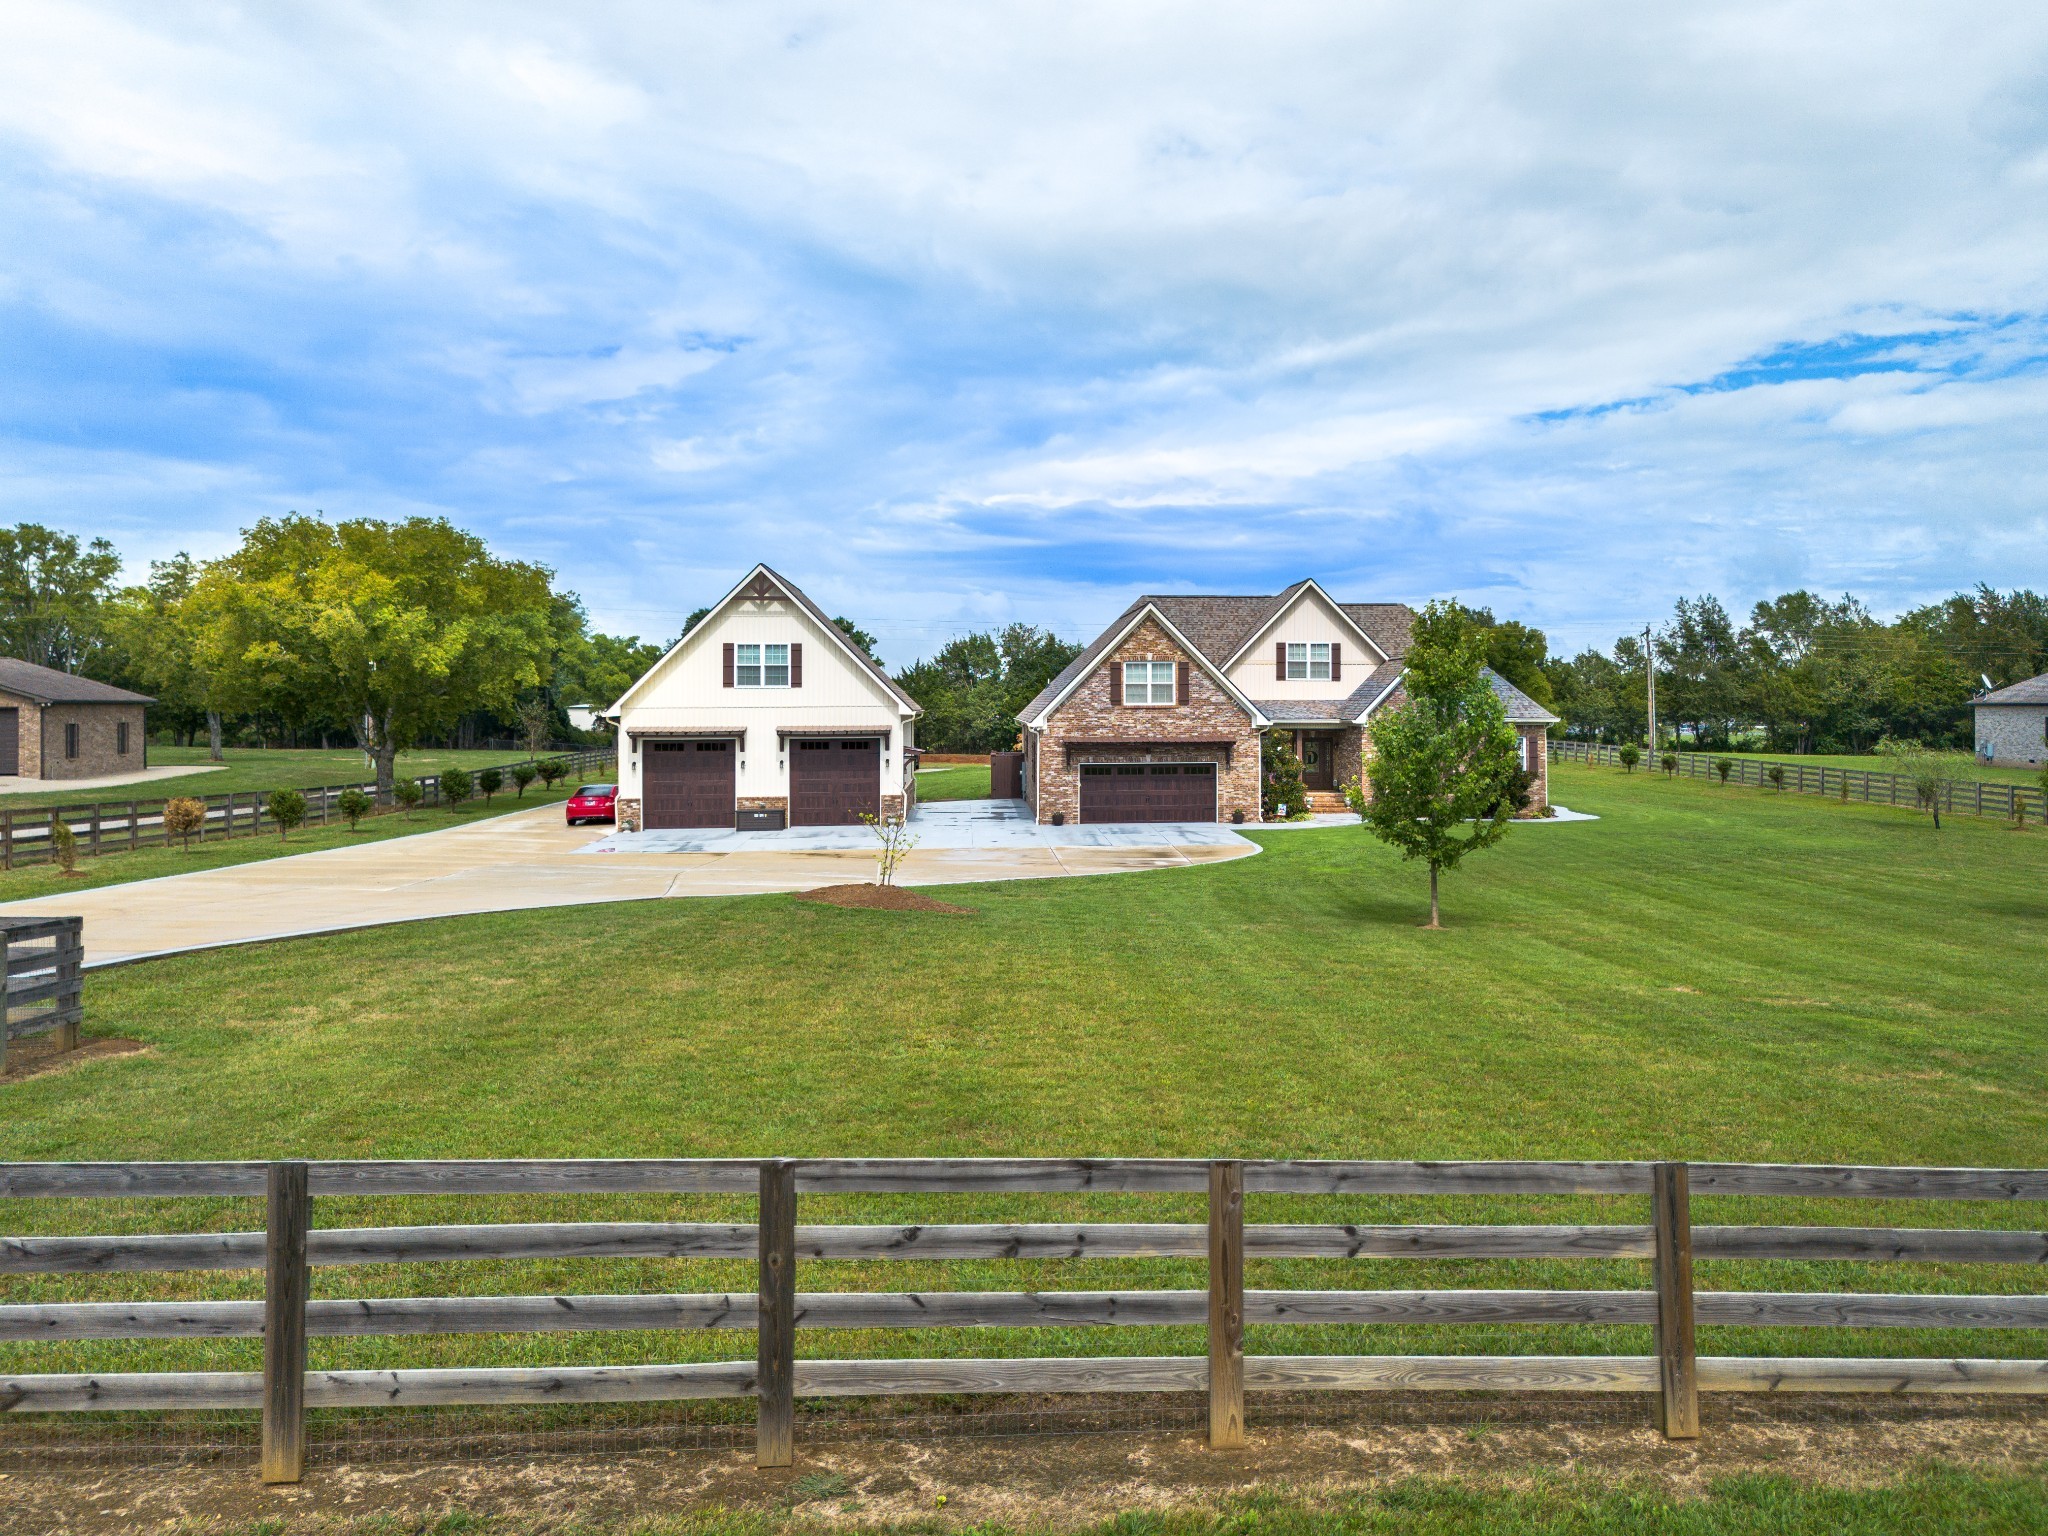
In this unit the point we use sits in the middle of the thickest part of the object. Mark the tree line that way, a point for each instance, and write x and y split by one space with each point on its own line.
383 635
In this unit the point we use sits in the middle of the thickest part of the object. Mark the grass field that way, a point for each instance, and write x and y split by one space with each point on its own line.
217 852
1870 762
963 781
1697 974
249 768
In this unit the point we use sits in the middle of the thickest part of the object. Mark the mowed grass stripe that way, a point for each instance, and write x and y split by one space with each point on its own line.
1703 973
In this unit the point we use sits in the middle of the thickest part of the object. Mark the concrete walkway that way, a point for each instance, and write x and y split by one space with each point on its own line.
530 859
15 784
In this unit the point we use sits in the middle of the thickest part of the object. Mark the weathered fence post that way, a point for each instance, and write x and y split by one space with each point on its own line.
6 839
284 1324
134 827
1678 1400
1226 1305
69 955
775 1332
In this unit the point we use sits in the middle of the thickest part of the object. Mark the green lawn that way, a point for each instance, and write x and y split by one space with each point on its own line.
1699 974
217 852
963 781
1924 1503
249 768
1870 762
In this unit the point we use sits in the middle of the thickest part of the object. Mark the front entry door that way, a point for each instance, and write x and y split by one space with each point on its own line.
1318 760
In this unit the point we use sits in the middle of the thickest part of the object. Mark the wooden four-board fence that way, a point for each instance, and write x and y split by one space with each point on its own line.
45 967
1672 1377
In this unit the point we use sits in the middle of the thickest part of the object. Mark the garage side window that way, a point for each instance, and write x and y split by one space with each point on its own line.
761 666
71 739
121 738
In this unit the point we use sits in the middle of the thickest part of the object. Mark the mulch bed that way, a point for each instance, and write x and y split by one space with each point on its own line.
881 898
39 1054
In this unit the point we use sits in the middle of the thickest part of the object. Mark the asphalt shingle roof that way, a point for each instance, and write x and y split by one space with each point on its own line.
2033 691
46 685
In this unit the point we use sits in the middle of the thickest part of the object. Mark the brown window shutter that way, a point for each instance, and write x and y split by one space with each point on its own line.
1180 681
796 664
728 664
1336 662
1279 661
1116 682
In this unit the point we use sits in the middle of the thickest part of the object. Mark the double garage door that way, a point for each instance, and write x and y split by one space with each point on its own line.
1148 792
832 783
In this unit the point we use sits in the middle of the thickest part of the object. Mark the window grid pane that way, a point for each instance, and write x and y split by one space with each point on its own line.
1319 661
1297 661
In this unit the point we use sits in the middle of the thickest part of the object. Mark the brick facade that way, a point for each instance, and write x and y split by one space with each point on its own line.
1053 785
628 814
1537 745
41 736
764 803
2012 735
1354 750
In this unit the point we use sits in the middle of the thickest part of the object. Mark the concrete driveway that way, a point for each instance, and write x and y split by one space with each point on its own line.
530 859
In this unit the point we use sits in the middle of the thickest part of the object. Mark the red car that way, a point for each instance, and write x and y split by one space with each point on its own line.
594 802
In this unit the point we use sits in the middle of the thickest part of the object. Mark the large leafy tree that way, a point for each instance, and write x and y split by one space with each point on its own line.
399 628
974 688
150 647
1443 763
53 590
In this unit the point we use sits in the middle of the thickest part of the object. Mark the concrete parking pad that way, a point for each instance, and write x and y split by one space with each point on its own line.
949 824
530 859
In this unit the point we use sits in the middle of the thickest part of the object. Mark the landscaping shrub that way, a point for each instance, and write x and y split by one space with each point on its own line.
552 771
354 805
1776 774
524 774
184 816
407 793
488 783
64 845
1630 755
1282 792
288 809
1724 766
456 786
1669 763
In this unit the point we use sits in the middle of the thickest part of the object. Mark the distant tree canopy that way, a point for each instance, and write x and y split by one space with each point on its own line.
973 689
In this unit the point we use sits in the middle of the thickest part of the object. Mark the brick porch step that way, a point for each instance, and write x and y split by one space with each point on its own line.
1323 800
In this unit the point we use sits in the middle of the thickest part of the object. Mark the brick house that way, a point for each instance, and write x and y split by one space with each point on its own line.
57 726
1161 718
2012 724
764 715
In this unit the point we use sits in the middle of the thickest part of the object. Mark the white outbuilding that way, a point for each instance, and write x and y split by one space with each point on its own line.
764 715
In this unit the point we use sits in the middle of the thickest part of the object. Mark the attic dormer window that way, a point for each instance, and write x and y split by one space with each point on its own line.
1310 661
761 666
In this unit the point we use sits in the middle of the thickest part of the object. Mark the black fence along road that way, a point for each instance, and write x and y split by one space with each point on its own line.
1971 797
111 826
780 1243
45 961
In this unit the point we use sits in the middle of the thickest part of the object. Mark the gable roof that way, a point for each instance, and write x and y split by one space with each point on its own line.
1075 671
2032 691
1217 627
46 685
764 581
1286 601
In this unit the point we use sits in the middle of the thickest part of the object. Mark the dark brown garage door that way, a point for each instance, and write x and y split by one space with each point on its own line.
688 783
1148 792
834 783
10 741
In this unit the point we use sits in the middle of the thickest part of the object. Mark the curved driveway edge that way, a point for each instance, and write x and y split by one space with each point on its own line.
528 859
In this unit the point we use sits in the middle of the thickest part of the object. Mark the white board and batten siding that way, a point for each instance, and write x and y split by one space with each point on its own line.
686 691
1309 620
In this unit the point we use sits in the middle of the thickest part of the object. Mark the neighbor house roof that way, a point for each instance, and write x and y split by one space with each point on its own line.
46 685
1218 627
2033 691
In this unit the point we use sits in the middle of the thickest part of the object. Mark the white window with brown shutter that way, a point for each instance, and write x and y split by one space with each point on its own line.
1151 683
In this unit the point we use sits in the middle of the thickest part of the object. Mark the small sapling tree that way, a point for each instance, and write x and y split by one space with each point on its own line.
64 845
456 786
407 793
182 817
1442 764
1630 754
1669 763
488 782
552 771
1724 766
896 839
1283 793
1776 774
354 805
288 809
523 774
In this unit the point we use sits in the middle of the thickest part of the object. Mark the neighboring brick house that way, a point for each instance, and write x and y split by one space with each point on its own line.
2012 724
764 715
56 726
1161 718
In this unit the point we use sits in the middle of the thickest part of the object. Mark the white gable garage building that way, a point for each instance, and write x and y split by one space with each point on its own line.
762 716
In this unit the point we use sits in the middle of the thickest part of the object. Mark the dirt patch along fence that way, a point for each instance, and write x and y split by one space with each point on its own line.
1971 797
1672 1378
116 826
45 980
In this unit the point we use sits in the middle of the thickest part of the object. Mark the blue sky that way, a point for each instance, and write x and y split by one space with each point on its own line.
961 314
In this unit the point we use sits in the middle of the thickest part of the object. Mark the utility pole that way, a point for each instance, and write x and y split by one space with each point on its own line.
1650 666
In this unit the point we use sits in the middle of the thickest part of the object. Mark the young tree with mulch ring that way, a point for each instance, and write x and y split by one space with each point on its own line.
354 805
1443 762
182 817
288 809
